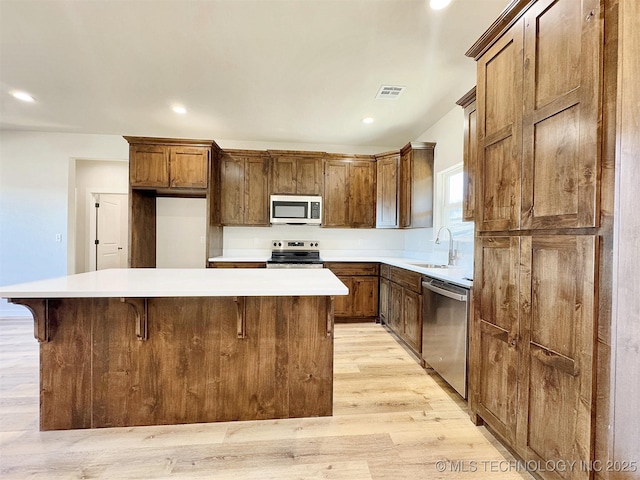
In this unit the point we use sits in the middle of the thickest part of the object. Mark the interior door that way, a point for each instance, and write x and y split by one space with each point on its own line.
111 231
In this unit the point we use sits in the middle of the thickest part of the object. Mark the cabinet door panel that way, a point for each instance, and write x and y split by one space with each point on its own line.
412 318
365 297
395 308
189 167
256 210
560 123
387 197
149 166
362 205
499 117
309 176
405 189
336 189
470 161
283 178
232 190
493 373
557 312
383 309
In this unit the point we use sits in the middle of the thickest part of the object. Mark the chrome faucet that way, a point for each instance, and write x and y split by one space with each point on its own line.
452 252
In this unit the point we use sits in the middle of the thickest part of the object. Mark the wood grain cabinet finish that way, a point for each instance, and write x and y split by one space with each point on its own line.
363 283
538 129
470 154
416 185
532 343
499 103
543 204
405 306
299 173
203 359
384 294
387 205
165 166
560 121
244 187
349 192
170 167
237 264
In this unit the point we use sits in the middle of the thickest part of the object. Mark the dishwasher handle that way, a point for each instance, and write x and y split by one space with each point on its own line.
442 291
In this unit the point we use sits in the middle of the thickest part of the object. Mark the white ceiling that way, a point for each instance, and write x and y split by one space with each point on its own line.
301 71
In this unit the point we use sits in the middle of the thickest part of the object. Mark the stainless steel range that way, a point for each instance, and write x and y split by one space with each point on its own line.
295 254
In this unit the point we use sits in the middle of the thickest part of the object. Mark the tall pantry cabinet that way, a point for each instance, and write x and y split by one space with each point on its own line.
543 185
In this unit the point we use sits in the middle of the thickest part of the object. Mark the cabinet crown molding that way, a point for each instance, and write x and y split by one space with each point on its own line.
468 98
508 17
171 141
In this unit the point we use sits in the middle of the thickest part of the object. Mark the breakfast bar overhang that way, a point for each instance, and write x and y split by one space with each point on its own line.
127 347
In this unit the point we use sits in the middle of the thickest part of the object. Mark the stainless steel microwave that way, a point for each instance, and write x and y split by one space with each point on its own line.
295 209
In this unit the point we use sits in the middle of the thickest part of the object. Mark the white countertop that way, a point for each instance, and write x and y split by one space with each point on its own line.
456 275
168 282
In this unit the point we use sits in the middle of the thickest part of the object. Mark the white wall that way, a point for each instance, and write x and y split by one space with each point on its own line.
93 176
256 241
448 134
180 232
35 195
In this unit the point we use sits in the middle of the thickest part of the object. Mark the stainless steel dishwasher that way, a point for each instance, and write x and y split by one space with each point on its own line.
445 314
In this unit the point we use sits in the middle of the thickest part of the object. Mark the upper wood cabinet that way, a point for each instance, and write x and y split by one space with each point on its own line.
470 156
387 209
298 173
560 122
244 187
349 192
499 102
538 120
168 163
416 185
169 167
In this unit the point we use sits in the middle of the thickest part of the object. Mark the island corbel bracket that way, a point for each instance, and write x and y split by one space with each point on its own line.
39 308
141 310
241 317
329 316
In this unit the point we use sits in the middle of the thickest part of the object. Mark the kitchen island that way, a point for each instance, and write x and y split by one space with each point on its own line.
129 347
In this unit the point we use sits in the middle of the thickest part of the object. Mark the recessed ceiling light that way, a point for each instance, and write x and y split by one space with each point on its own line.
439 4
179 109
24 96
367 120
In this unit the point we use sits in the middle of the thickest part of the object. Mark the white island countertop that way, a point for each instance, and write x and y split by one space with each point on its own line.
169 282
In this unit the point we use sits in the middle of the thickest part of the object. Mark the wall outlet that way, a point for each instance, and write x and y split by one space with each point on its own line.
58 237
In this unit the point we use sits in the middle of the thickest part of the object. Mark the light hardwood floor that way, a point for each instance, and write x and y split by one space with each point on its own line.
392 420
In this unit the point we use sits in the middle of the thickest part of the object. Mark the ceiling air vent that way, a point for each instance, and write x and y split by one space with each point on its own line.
390 92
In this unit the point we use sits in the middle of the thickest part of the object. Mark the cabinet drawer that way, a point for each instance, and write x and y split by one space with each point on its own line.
352 268
384 270
406 278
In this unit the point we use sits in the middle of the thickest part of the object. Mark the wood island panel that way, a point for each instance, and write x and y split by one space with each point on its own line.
112 362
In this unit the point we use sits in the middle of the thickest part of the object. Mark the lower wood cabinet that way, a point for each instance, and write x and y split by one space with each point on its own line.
362 281
532 344
383 304
403 309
